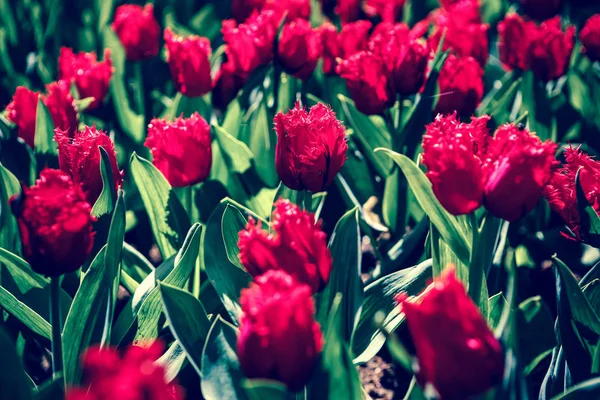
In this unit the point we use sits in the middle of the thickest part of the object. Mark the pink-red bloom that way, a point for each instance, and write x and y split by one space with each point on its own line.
22 111
387 10
545 49
242 9
59 102
299 49
293 9
461 86
410 67
468 167
279 338
79 156
541 9
296 245
181 149
311 147
189 64
456 350
348 10
561 190
133 376
138 31
55 224
590 37
91 77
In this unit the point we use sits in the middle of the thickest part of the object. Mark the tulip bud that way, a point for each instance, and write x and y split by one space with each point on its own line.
59 102
387 10
368 81
329 42
348 10
590 38
514 35
299 49
137 30
541 9
135 375
297 246
311 147
188 63
410 66
79 156
453 153
55 224
226 85
562 194
181 149
461 86
22 111
456 350
279 338
92 77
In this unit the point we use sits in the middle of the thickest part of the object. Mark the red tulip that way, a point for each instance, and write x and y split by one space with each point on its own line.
79 157
22 111
226 85
59 102
461 86
514 34
92 77
297 245
172 143
137 30
135 375
387 10
55 224
311 147
348 10
329 42
279 338
410 66
561 192
299 49
293 9
353 38
368 81
388 40
456 351
541 9
465 11
242 9
590 37
189 64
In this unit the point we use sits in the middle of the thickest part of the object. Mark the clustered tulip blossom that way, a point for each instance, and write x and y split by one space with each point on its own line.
137 30
299 49
590 37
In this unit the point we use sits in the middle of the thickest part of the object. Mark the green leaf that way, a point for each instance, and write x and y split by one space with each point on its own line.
226 276
263 140
106 201
345 276
168 220
9 232
221 372
135 264
380 296
28 317
589 219
52 390
173 361
104 9
258 389
447 224
14 383
188 321
589 389
237 155
536 329
8 21
44 131
186 106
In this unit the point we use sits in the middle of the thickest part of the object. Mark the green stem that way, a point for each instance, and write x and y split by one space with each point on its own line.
276 79
55 321
306 200
475 269
139 87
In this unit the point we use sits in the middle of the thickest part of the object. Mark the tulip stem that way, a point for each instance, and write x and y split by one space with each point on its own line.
55 321
139 87
475 269
276 79
306 200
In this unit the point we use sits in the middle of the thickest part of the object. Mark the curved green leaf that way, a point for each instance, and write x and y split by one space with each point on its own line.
14 383
23 313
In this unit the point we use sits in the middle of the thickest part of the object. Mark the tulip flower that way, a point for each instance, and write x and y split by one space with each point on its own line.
279 338
387 10
59 102
92 77
348 10
590 37
461 86
410 66
293 9
311 147
172 143
352 39
79 157
55 224
457 352
135 375
22 111
137 30
299 49
189 64
297 245
242 9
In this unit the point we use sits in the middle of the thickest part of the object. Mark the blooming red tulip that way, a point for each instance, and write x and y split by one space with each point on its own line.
138 31
311 147
59 102
590 37
135 375
387 41
92 77
189 64
461 86
544 49
352 39
171 144
297 245
368 81
348 10
22 111
79 156
55 224
226 85
561 192
387 10
410 66
299 49
279 338
329 42
456 351
242 9
293 9
541 9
